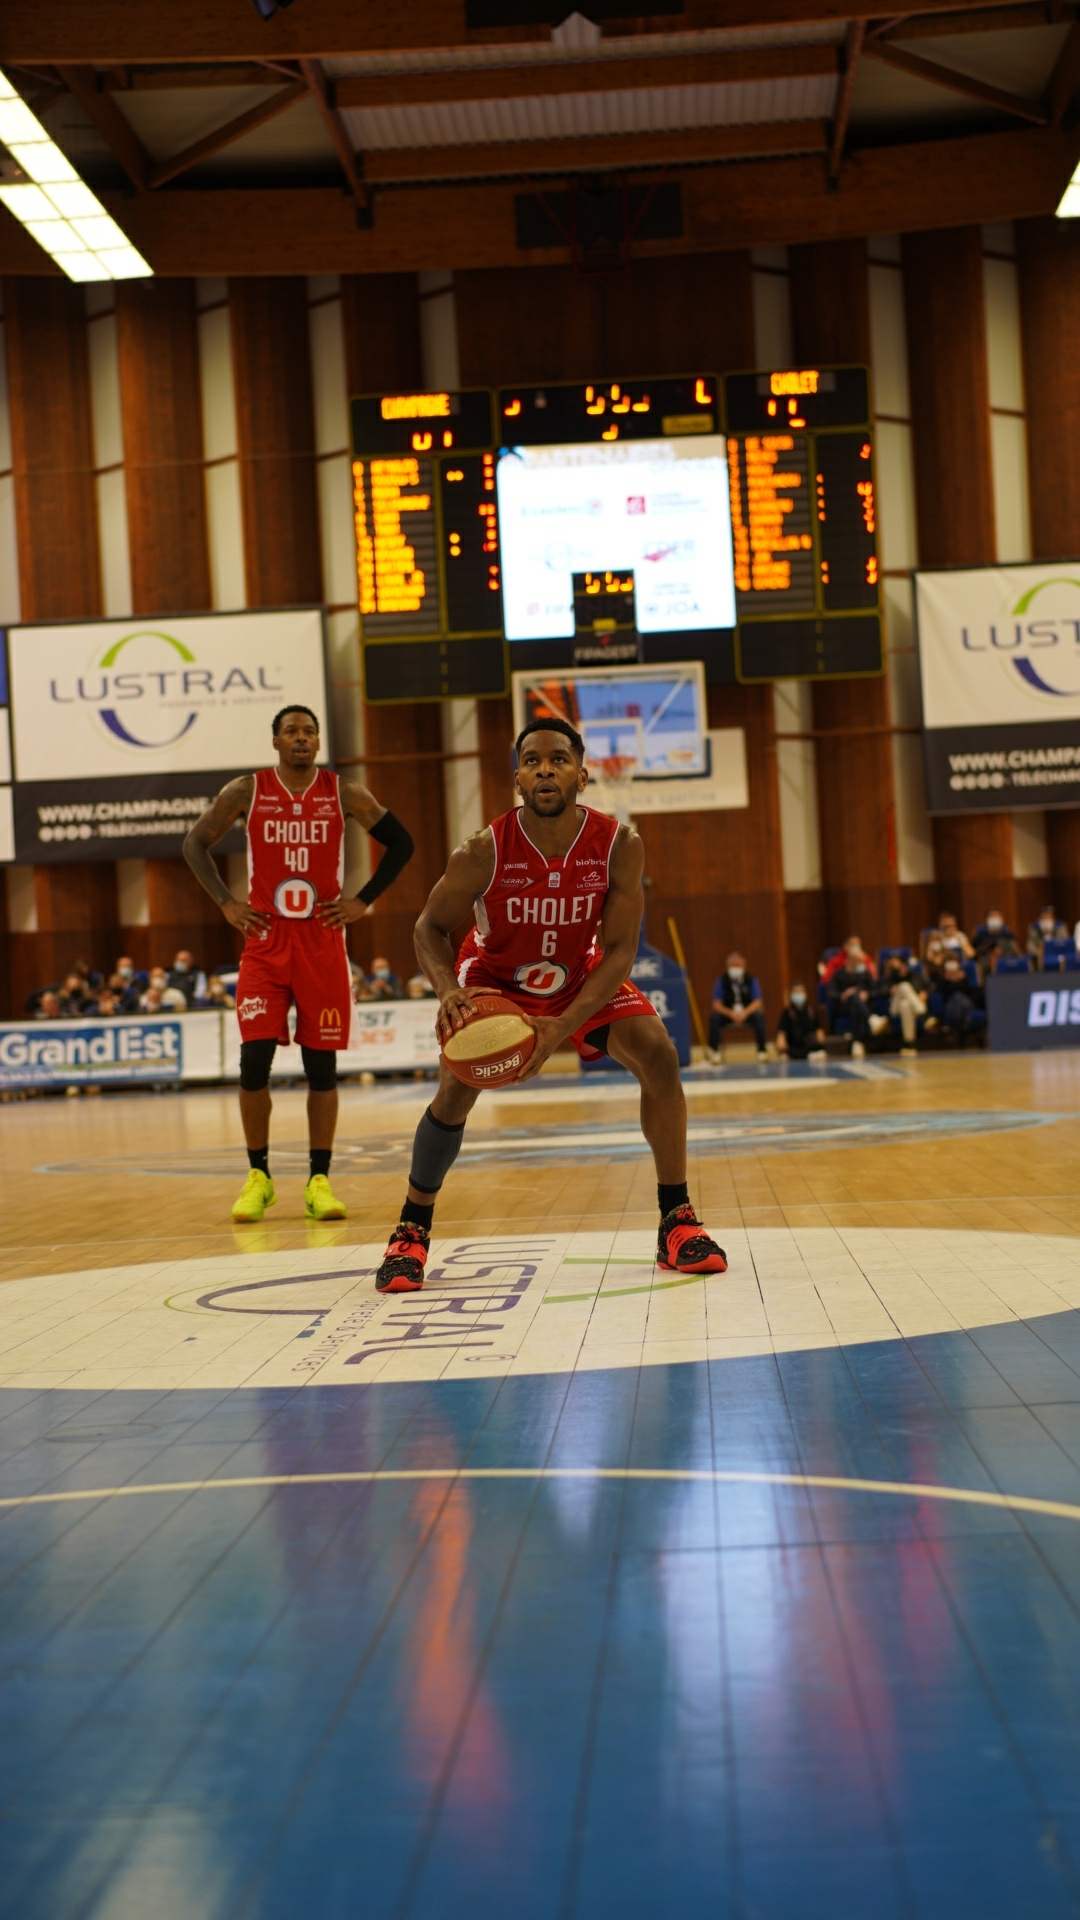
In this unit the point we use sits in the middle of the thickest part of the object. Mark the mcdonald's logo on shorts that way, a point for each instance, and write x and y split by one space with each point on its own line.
330 1017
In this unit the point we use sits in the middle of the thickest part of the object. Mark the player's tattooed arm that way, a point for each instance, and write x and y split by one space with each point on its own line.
232 804
621 926
469 873
358 804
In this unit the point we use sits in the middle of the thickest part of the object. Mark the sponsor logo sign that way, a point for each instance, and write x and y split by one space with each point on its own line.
999 654
255 1007
295 899
123 730
66 1054
1033 1011
541 977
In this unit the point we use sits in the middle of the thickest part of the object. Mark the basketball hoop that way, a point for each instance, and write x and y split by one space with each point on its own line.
616 778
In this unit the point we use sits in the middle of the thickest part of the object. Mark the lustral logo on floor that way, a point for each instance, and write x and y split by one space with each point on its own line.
38 1055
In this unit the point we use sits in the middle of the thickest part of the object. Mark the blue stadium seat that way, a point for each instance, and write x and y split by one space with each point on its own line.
1055 953
892 953
1013 963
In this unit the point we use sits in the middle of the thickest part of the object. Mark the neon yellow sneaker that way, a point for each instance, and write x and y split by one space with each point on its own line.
319 1202
255 1196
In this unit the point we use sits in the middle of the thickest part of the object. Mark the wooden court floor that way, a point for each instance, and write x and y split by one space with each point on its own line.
567 1588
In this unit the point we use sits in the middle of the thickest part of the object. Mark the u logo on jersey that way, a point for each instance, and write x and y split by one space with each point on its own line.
541 976
295 899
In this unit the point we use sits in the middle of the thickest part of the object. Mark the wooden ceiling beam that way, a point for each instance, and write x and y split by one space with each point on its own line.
117 132
583 76
681 146
853 46
351 164
984 19
127 32
937 183
948 77
1065 77
225 136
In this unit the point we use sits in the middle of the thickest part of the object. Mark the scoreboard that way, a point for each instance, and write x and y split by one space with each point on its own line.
801 552
803 523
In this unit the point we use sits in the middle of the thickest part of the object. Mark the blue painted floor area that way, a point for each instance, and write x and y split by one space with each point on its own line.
542 1698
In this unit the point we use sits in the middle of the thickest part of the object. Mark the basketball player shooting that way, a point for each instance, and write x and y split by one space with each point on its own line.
566 966
293 923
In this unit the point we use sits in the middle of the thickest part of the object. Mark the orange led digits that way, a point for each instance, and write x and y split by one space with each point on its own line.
594 402
702 396
511 412
794 382
421 442
415 406
390 581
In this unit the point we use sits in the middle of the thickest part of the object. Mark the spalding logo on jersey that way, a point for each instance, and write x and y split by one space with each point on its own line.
541 976
295 899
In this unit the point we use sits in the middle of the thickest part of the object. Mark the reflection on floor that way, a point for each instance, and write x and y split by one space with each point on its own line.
559 1589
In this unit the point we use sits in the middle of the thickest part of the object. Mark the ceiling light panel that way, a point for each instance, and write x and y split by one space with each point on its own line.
56 207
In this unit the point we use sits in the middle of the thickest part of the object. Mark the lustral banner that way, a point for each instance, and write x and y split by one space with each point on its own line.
999 660
123 730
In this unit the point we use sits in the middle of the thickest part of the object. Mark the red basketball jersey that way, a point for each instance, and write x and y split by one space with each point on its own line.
537 921
296 845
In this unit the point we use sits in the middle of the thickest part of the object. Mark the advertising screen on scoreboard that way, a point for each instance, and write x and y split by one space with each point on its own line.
736 513
655 717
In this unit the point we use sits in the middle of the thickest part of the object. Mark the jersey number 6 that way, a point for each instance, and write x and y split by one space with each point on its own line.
547 944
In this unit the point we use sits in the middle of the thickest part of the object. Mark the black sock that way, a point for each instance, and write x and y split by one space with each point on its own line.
259 1157
673 1196
320 1161
419 1216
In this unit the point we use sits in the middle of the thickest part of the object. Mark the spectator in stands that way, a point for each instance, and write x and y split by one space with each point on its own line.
419 987
736 1002
217 995
134 981
48 1005
953 938
960 999
160 997
124 990
850 986
360 988
852 945
74 997
992 940
186 977
1046 927
799 1035
106 1006
906 1003
384 983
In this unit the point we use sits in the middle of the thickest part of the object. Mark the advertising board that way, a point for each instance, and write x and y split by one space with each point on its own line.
999 658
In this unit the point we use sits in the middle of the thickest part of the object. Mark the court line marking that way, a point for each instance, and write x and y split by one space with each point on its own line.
909 1490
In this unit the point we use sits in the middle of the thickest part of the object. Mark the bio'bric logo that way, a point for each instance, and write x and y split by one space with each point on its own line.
1034 650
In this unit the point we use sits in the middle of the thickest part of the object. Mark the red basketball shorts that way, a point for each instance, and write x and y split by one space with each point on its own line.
298 961
625 1004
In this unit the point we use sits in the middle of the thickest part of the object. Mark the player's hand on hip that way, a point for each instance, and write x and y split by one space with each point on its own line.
253 926
455 1005
550 1034
340 912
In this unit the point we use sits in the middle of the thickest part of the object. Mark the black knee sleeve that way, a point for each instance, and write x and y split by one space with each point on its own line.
435 1149
256 1060
320 1065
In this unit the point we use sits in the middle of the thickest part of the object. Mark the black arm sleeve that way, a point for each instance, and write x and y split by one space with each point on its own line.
398 842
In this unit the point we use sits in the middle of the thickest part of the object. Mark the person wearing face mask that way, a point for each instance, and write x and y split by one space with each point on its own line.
850 985
906 1003
384 983
993 937
953 938
736 1002
1046 927
799 1035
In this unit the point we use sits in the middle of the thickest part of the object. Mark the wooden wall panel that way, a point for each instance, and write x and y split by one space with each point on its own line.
59 579
276 432
830 312
1049 259
52 450
382 331
954 502
496 733
163 451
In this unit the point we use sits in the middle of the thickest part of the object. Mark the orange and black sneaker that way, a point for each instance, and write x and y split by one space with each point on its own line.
402 1270
685 1247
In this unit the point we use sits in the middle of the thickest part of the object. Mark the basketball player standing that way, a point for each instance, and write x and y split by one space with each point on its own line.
294 922
540 881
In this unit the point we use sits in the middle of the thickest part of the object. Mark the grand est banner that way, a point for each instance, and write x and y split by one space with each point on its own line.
999 659
123 730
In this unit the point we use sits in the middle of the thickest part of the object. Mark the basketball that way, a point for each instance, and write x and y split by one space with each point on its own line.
494 1044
